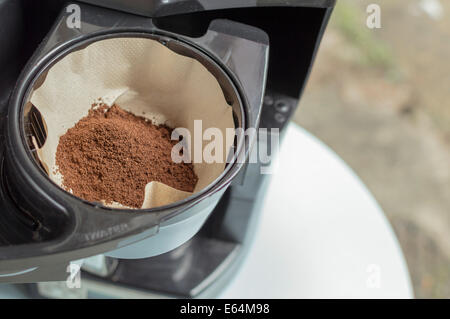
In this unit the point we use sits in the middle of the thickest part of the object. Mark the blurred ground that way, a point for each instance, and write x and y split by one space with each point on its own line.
380 99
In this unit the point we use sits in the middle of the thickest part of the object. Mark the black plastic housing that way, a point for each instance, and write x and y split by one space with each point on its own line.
43 224
294 29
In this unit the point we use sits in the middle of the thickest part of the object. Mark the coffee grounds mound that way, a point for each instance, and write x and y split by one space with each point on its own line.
112 154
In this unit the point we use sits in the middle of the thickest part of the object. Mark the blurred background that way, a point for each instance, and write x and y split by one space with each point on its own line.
380 98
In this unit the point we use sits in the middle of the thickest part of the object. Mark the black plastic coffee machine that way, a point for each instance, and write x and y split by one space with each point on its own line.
260 52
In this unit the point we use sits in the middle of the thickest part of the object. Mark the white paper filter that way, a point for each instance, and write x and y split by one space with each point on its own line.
141 76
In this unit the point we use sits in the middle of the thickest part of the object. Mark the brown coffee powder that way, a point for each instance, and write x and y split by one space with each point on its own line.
112 154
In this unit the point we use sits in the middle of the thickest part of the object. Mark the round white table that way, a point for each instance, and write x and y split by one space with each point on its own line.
321 235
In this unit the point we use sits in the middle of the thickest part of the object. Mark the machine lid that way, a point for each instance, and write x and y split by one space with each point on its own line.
160 8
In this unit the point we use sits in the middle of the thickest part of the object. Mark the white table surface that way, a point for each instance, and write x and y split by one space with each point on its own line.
322 234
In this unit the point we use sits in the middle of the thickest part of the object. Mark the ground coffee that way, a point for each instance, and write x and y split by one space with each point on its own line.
112 154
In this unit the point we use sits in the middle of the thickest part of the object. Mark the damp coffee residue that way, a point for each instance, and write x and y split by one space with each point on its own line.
111 154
